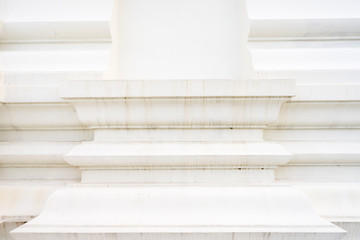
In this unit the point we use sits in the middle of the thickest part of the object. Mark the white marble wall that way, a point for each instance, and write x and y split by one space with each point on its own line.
179 119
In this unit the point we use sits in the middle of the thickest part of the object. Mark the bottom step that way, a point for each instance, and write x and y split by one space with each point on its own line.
100 212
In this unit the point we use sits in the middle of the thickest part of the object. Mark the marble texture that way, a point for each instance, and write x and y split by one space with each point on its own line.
179 119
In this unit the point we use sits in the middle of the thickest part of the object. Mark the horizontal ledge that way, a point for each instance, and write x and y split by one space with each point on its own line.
184 235
173 176
198 209
291 234
177 154
328 200
78 89
318 173
41 173
176 97
305 59
327 93
317 40
304 28
178 135
31 94
343 114
190 229
324 77
312 152
46 78
55 30
15 200
34 153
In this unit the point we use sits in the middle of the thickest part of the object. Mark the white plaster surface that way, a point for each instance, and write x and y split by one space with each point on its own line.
180 119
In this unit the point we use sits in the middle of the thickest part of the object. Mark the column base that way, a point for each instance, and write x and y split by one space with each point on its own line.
170 211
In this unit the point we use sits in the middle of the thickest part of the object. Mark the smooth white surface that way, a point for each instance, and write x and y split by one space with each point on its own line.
195 175
189 210
299 9
177 103
333 201
21 202
53 10
202 39
35 116
178 135
184 93
144 206
190 88
196 154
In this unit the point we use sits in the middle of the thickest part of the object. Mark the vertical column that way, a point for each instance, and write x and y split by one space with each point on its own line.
179 39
